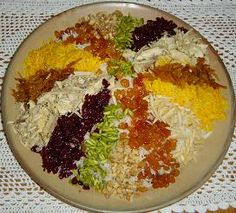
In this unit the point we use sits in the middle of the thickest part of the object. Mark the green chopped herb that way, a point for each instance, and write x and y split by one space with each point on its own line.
121 67
98 148
125 27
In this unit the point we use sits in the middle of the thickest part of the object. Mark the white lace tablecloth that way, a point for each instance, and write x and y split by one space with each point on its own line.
216 20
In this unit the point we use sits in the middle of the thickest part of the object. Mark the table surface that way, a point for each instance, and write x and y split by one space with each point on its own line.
215 20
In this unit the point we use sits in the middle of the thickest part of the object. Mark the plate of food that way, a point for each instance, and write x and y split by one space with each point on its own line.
118 107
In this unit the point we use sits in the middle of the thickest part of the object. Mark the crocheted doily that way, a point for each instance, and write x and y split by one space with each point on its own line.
216 20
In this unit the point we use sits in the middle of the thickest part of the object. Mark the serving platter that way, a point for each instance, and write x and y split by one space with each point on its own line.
191 178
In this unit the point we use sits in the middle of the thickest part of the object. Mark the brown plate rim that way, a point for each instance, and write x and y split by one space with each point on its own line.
62 198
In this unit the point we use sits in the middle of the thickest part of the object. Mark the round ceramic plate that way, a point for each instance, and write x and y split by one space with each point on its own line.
191 177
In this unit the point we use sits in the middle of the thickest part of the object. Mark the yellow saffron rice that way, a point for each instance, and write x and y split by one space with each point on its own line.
205 102
58 55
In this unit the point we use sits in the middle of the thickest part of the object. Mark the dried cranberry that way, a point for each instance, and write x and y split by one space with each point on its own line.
85 187
36 149
74 180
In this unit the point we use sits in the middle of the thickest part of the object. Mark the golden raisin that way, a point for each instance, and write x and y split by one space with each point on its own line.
124 83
